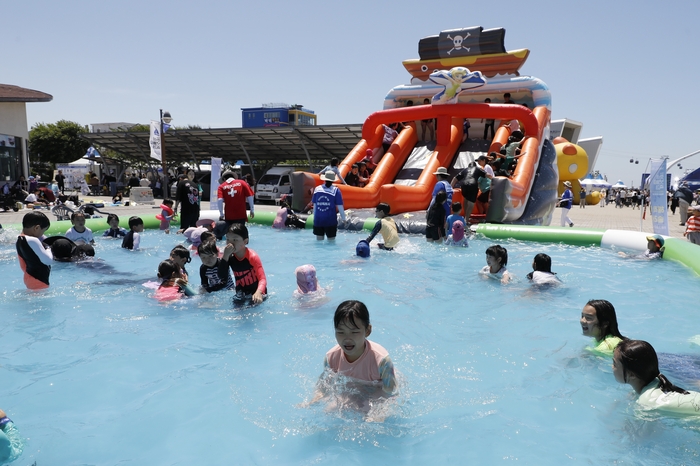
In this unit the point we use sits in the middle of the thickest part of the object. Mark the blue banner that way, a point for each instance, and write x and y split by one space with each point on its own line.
658 199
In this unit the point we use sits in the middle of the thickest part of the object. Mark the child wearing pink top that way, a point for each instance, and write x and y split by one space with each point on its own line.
356 357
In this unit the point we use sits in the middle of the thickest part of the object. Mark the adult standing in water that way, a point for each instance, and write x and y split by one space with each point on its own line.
233 196
187 194
326 199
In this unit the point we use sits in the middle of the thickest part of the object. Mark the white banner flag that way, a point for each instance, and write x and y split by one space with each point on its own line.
214 184
154 140
657 193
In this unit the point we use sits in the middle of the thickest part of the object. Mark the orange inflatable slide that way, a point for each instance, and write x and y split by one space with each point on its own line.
449 136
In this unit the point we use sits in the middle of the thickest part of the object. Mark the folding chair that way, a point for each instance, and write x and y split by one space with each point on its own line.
62 212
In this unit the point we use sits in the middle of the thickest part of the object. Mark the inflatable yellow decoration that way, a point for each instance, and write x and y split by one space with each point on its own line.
572 163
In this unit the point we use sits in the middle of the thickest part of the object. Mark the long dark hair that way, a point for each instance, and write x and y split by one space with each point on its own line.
607 319
639 358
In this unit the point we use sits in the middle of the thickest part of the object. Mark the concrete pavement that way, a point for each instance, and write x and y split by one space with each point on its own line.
608 217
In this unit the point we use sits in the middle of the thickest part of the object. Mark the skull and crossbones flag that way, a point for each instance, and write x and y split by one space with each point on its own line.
462 42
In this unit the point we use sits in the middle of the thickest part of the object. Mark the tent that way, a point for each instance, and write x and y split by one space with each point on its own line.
619 185
589 183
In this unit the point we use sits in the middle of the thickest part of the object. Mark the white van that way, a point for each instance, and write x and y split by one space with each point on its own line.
275 182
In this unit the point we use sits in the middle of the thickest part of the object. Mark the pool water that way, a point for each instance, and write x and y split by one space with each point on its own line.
96 371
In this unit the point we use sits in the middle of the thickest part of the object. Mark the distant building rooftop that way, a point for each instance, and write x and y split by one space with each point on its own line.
9 93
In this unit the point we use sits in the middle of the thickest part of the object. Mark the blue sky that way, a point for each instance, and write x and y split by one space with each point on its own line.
627 71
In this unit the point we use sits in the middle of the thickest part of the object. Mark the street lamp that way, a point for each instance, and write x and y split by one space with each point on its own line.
164 118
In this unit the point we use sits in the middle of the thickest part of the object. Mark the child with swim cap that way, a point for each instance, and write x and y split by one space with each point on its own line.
132 240
457 237
655 249
174 285
635 363
11 445
356 357
213 273
496 260
79 233
34 259
251 282
542 271
114 230
386 226
599 321
306 279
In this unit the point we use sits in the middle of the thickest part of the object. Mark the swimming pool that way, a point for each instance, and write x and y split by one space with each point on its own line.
95 371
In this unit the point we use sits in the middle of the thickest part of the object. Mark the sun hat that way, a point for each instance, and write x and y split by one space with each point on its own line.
205 222
362 248
328 176
567 184
441 171
658 239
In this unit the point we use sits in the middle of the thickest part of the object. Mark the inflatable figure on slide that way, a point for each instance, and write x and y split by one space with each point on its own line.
456 80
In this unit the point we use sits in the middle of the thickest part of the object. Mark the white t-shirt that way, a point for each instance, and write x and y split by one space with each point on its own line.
78 238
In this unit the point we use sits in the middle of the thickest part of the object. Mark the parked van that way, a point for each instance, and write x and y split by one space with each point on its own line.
275 182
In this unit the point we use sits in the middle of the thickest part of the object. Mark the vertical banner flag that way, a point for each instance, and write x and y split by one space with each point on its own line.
214 183
657 193
154 140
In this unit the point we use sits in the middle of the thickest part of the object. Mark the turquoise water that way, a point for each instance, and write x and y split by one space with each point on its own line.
95 371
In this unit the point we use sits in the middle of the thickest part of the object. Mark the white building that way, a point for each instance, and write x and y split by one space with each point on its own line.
14 133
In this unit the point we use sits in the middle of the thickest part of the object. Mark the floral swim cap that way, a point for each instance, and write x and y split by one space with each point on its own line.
306 278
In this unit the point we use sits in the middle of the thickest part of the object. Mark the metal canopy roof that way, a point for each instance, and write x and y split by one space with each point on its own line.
263 146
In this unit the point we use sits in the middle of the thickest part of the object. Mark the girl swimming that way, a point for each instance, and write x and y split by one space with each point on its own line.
542 271
635 363
496 260
598 320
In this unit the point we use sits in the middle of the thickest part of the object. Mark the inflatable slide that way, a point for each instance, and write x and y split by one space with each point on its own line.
457 95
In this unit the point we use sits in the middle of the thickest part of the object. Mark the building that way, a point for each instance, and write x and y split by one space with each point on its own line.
277 114
14 133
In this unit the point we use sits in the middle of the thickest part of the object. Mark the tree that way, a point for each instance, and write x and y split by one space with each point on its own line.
58 142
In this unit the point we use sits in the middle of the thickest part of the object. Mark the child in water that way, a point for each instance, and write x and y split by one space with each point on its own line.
166 215
306 279
251 282
132 240
635 363
181 256
542 271
114 231
79 233
365 363
496 260
386 226
456 215
457 237
214 273
174 285
599 321
11 444
435 228
34 259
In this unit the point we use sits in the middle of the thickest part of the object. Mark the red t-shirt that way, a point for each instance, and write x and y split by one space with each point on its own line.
234 194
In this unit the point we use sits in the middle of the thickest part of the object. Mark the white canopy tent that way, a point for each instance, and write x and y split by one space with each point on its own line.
589 183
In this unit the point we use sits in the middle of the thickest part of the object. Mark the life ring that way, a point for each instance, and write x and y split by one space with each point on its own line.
167 210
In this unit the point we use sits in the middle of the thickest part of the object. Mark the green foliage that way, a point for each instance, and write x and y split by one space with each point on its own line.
58 142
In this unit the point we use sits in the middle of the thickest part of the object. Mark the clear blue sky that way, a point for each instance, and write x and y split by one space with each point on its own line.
628 70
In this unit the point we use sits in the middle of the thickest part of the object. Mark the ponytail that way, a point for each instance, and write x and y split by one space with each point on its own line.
666 386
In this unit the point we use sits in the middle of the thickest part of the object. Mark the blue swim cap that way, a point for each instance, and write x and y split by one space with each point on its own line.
362 248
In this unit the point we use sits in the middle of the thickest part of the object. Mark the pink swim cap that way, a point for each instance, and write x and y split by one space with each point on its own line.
306 278
457 230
